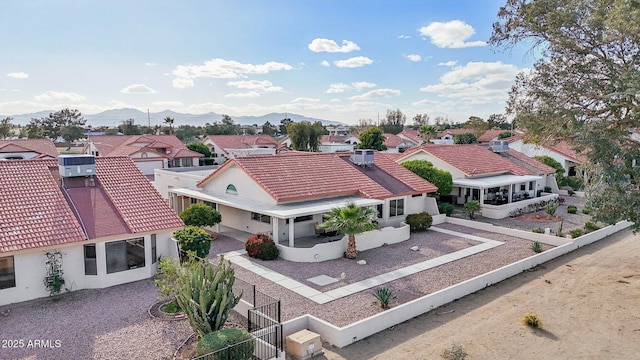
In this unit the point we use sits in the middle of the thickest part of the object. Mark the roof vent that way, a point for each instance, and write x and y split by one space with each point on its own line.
362 157
499 146
76 165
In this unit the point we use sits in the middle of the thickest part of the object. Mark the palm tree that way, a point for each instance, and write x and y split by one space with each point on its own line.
169 120
351 220
428 132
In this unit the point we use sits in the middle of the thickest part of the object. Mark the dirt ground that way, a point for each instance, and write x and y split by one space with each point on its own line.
588 301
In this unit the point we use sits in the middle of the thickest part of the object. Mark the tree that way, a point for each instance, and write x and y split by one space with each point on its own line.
428 132
193 239
583 90
206 294
200 148
316 131
498 121
71 133
549 161
466 138
52 125
187 133
440 178
477 126
299 135
267 129
372 138
420 120
472 207
6 129
200 215
129 127
394 122
284 123
351 220
169 121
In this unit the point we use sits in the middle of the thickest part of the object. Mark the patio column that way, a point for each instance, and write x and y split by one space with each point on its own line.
291 234
276 232
482 195
510 194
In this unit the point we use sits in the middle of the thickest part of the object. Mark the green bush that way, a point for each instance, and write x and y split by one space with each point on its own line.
536 247
472 207
571 209
547 189
446 208
571 192
440 178
221 339
551 208
589 227
384 296
466 138
455 352
419 222
576 233
549 161
261 246
586 210
200 215
193 238
538 230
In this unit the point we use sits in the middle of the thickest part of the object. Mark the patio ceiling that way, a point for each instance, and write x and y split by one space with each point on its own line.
494 181
283 211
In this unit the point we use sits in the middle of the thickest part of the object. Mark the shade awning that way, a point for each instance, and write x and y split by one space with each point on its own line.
282 211
495 181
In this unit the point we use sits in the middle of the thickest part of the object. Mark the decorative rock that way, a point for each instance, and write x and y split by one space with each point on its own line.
414 248
547 231
362 262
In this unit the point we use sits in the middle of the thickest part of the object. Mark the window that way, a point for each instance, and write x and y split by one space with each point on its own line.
90 267
522 187
301 218
379 208
416 195
125 255
7 273
212 204
396 207
154 249
261 217
231 189
530 185
194 201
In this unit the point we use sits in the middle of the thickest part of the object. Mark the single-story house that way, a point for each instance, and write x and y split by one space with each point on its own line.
18 149
334 143
287 194
100 216
148 152
225 147
560 151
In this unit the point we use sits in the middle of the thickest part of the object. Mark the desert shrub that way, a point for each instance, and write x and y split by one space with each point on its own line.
547 189
536 247
455 352
551 208
532 320
419 222
193 238
171 307
261 246
586 210
538 230
589 227
166 278
571 192
472 207
384 296
226 337
446 209
576 233
571 209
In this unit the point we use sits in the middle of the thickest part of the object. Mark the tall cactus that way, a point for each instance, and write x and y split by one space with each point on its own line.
205 294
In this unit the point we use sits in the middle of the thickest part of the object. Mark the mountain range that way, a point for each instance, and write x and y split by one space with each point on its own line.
115 117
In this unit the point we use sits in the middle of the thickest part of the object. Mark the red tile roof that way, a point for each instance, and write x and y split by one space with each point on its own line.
127 145
299 176
36 213
546 169
472 160
44 147
391 140
490 135
567 150
333 139
242 141
413 135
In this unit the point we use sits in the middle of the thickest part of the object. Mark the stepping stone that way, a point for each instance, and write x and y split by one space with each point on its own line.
322 280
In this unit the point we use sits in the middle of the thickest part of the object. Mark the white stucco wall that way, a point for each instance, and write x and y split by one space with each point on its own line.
241 220
30 269
247 188
532 150
167 179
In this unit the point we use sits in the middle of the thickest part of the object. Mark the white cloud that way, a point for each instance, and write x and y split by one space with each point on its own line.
304 100
338 88
404 37
448 63
325 63
452 34
18 75
414 57
250 94
359 85
222 69
476 82
326 45
377 94
59 96
150 64
353 62
138 89
264 85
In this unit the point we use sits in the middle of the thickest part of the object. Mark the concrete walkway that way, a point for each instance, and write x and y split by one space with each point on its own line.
323 298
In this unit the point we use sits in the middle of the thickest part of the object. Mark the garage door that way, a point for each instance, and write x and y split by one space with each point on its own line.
147 167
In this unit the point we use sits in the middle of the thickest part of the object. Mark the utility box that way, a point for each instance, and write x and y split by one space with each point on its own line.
304 345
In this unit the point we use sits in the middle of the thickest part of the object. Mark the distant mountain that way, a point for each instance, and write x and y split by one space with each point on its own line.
116 116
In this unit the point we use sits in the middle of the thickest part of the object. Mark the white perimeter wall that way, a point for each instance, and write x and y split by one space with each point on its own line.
166 179
30 269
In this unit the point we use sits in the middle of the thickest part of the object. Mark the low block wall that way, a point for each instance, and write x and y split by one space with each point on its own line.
343 336
503 211
528 235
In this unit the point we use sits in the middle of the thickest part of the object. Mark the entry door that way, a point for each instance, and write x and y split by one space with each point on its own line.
476 194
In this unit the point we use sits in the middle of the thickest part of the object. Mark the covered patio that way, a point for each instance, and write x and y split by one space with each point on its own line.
499 190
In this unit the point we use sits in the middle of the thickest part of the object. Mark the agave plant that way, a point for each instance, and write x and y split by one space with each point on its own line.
384 296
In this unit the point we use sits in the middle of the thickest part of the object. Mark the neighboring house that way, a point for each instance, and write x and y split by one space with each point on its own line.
560 151
334 143
396 144
286 195
412 136
225 147
490 135
19 149
110 227
148 152
337 130
500 185
353 139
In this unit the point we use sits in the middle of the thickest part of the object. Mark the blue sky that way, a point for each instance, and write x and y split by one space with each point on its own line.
336 60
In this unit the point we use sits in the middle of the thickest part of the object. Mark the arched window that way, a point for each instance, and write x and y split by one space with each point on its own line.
231 189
